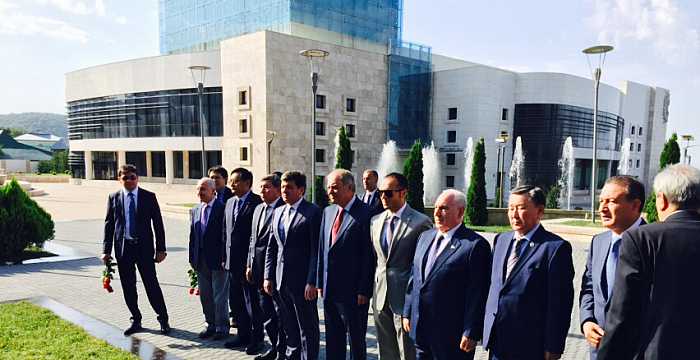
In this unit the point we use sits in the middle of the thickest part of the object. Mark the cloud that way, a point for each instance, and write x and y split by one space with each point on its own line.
20 24
121 20
77 7
672 34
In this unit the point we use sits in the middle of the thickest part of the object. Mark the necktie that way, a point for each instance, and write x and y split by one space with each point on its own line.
281 227
336 226
132 216
611 265
204 219
237 209
514 255
388 237
288 220
263 217
368 197
432 256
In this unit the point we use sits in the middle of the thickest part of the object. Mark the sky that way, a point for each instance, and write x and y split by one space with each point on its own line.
657 42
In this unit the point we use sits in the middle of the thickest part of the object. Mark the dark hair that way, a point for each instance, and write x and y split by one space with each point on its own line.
127 168
635 189
373 173
298 178
536 194
219 170
274 179
278 173
400 178
245 175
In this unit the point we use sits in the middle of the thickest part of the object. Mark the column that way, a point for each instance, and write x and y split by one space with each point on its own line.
169 167
149 164
89 174
185 164
121 158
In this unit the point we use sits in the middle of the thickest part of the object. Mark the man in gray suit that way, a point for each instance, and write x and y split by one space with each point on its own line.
394 234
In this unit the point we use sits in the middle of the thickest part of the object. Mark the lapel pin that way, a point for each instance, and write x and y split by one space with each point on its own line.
453 247
531 244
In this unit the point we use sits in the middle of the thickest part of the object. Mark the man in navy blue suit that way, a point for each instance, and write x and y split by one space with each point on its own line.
206 256
528 310
371 196
444 307
219 174
621 204
345 267
291 267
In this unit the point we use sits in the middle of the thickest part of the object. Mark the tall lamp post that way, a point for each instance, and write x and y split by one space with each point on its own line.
501 141
198 75
688 139
598 51
314 56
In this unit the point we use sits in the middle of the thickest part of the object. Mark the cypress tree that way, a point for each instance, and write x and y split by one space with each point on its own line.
320 191
671 154
413 170
343 150
476 213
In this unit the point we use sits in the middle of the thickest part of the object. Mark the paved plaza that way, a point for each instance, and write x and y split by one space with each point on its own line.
78 212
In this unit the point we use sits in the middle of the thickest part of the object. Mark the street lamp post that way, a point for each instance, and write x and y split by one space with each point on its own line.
599 51
501 141
314 56
688 139
199 82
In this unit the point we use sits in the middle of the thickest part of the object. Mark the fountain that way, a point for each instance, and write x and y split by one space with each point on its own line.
566 169
468 163
517 165
431 175
389 160
623 166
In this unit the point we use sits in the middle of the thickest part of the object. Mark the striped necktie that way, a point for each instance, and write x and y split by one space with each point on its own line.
514 255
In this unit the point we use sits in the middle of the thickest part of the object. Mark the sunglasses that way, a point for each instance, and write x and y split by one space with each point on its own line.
389 193
128 177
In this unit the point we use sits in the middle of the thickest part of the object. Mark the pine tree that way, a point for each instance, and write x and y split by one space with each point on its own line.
671 154
343 150
476 213
413 170
320 191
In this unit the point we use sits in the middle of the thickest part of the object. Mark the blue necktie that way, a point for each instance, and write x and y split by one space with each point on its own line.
132 216
385 239
611 265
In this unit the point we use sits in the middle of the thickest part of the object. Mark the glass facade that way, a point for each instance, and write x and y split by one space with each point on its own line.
543 129
168 113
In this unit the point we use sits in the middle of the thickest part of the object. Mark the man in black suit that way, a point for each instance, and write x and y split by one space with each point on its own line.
220 176
655 312
131 212
371 196
291 266
263 308
238 220
206 257
621 204
345 267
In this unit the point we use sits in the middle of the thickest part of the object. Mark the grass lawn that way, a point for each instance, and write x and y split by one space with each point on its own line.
31 332
586 223
490 228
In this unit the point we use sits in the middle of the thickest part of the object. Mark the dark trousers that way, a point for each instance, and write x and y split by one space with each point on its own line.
247 331
443 351
131 259
343 319
253 312
264 314
300 320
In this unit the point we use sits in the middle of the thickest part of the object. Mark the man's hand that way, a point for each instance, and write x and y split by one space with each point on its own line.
268 285
320 292
406 325
160 256
249 275
593 333
105 258
310 292
467 344
361 299
551 356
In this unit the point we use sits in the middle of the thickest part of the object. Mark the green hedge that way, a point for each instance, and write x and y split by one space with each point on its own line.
22 222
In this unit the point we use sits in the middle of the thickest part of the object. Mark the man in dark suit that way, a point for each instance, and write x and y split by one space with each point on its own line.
654 312
371 196
345 267
291 266
394 235
263 308
238 220
444 307
528 310
220 176
131 212
621 204
206 257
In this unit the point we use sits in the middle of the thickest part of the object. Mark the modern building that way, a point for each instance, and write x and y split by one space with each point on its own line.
43 140
258 100
16 157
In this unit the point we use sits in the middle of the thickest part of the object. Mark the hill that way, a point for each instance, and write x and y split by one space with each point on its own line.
44 122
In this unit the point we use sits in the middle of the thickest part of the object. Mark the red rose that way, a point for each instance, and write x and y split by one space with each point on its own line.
191 291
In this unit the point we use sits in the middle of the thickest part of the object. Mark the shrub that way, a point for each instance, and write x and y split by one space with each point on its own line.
553 197
320 192
22 222
45 167
671 154
413 171
343 150
476 212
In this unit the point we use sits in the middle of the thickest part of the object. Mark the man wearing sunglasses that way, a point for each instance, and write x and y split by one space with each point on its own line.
131 212
394 234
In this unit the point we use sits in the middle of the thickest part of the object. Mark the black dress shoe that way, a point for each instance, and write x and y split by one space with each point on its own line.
255 348
236 343
134 328
220 336
206 333
164 327
269 355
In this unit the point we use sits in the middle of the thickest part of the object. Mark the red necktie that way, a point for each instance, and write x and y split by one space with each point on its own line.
336 226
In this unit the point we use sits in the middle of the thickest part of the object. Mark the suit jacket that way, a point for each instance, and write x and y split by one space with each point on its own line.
448 302
346 268
291 261
237 232
147 214
375 205
655 306
394 271
208 246
530 312
594 300
259 238
227 194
